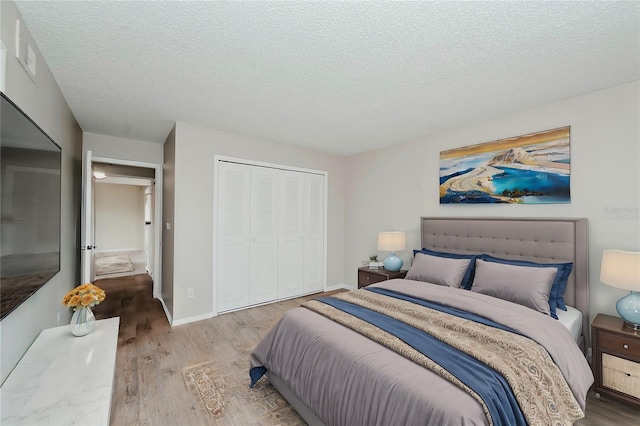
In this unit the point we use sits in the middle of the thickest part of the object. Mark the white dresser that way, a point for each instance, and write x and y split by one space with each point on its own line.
63 379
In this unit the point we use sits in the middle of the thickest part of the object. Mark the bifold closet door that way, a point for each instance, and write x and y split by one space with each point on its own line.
291 233
234 236
247 235
313 233
270 231
263 255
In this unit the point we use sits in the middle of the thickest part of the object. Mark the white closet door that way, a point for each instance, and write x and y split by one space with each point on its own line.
291 229
264 235
313 233
234 197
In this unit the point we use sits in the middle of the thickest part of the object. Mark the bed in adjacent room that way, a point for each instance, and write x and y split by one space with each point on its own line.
488 328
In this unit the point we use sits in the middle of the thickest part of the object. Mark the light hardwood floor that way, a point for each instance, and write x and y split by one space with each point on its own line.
149 388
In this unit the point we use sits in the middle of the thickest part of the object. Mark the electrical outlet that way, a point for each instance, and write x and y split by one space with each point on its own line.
58 319
190 293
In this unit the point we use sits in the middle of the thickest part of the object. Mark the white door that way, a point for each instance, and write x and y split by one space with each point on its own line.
263 255
87 272
234 194
313 233
290 232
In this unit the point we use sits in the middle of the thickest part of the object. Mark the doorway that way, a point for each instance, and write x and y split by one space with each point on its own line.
122 210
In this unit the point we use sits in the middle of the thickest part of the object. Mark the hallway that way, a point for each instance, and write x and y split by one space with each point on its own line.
131 299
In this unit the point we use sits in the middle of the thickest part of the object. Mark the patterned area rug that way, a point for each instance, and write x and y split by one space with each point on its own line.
113 263
222 392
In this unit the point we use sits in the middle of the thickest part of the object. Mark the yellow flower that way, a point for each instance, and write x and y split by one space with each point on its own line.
75 300
85 295
87 299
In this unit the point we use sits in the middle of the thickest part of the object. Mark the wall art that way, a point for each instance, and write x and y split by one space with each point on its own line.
527 169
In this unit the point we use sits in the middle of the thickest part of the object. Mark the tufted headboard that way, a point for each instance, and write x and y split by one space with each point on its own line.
534 239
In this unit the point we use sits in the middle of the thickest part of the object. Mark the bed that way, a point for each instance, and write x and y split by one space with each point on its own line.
335 368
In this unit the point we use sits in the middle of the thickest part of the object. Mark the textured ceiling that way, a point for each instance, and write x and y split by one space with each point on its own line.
339 77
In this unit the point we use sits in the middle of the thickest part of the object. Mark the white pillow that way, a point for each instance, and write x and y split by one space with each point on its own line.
524 285
438 270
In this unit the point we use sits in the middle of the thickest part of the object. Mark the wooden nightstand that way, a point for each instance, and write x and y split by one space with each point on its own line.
368 276
616 359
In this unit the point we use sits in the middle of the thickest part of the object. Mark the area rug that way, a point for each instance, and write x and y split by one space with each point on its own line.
208 387
223 392
113 263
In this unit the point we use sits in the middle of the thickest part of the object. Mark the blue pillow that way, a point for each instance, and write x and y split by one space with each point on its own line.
559 285
467 278
563 286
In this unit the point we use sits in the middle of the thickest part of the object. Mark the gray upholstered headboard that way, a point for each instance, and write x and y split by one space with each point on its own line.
534 239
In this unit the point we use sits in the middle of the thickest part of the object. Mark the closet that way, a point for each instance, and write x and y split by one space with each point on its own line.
270 231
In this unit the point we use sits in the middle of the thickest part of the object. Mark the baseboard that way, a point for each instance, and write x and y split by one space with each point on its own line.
339 287
211 314
192 319
166 311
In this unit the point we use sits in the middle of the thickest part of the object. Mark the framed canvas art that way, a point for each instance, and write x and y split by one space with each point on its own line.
527 169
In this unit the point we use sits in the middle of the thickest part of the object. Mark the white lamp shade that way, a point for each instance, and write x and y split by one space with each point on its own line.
621 269
392 241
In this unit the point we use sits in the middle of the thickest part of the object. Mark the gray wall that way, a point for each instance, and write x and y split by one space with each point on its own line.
605 178
44 103
192 226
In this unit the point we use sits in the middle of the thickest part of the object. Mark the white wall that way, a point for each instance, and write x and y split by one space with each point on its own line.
391 188
122 149
44 103
195 148
119 217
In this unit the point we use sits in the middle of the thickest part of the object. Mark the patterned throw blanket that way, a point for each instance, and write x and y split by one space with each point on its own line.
541 393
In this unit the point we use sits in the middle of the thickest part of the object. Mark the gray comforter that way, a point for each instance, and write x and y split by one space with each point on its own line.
346 379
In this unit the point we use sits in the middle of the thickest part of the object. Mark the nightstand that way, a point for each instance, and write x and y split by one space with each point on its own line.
616 359
368 276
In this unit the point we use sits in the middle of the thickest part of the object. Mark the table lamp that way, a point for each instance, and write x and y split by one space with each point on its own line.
392 241
621 269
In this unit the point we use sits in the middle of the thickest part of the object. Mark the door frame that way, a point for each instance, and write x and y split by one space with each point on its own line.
217 159
87 260
156 274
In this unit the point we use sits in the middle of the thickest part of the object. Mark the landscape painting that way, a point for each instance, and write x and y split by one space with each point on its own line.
527 169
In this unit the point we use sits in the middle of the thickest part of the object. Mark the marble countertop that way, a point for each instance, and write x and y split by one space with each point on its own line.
63 379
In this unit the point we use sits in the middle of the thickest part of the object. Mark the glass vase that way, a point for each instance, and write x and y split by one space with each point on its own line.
82 322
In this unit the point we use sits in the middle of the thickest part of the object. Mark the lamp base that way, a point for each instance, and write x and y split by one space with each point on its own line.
392 263
632 326
628 308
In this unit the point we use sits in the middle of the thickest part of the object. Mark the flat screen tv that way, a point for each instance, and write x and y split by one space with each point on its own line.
30 164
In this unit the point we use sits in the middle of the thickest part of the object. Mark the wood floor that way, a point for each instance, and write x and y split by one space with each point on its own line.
149 388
